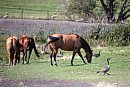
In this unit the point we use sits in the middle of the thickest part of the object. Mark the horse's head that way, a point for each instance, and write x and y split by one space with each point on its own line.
88 56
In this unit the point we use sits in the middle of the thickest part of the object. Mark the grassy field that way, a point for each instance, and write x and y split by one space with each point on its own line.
32 4
49 5
41 68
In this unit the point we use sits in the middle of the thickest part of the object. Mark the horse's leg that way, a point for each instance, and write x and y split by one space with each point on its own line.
55 53
18 57
15 58
9 59
26 56
79 53
51 58
51 55
30 51
73 58
23 56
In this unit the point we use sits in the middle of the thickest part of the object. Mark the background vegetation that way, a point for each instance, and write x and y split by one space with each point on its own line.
118 35
74 10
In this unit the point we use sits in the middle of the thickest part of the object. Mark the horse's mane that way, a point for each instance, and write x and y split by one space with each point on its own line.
85 45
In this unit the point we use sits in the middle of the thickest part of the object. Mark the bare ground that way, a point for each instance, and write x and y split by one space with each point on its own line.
43 83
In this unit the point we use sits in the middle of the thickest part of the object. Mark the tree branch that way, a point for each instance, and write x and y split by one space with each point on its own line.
126 17
121 11
111 1
104 5
126 12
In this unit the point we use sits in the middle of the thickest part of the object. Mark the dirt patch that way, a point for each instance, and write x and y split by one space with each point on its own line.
43 83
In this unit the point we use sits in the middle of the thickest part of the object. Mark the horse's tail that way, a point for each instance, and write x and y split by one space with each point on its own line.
12 43
44 49
49 40
34 46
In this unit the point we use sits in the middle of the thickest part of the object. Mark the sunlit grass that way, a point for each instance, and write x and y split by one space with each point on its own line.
43 5
41 68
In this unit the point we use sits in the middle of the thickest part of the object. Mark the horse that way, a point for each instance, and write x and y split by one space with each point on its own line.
29 43
13 50
72 42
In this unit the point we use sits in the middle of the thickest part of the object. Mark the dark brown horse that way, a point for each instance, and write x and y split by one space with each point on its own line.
72 42
13 50
29 43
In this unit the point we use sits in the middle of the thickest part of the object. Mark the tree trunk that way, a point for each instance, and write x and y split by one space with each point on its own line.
109 10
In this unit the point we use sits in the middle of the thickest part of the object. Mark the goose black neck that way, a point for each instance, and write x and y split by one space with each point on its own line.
108 61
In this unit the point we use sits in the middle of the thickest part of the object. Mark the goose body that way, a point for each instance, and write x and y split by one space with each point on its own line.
97 55
106 68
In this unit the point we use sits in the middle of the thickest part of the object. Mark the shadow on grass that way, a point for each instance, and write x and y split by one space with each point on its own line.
77 65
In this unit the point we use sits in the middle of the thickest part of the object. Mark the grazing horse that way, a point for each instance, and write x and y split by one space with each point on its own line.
29 43
13 50
72 42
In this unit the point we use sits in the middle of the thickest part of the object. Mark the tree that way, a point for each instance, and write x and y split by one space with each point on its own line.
124 12
111 5
109 10
81 7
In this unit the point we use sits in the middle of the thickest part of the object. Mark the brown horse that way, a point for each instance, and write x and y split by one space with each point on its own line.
29 43
13 49
72 42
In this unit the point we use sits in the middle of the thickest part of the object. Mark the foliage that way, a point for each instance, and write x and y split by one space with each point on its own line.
3 53
118 35
84 8
81 7
41 36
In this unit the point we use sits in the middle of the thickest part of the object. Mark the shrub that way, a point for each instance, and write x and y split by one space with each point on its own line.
116 35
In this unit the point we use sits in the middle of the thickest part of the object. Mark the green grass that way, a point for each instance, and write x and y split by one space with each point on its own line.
32 4
49 5
41 68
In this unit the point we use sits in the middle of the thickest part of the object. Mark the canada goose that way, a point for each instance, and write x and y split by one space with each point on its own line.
106 68
97 55
6 16
54 16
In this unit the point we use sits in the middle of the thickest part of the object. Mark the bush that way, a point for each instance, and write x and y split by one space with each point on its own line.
117 35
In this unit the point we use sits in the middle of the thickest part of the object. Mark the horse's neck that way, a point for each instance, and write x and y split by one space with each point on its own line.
87 50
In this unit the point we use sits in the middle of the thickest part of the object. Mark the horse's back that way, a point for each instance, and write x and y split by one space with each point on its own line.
67 42
24 40
8 43
12 44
